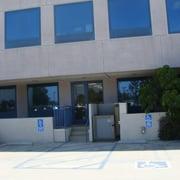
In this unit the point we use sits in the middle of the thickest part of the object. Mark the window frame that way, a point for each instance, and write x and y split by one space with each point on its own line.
30 114
86 84
94 81
21 44
168 20
111 36
14 114
130 79
56 40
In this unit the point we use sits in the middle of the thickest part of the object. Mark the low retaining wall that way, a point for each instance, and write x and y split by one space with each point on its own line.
25 130
62 135
132 124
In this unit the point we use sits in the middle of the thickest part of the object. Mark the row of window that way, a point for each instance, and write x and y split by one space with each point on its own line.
42 98
75 22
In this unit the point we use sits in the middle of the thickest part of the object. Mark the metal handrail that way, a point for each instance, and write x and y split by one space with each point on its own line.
61 118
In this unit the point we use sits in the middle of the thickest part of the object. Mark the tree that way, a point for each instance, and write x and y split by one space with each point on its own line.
162 93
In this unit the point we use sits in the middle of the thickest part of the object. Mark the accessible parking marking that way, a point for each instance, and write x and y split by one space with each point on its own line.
72 156
152 164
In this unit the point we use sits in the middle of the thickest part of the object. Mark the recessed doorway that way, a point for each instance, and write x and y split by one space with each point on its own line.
84 93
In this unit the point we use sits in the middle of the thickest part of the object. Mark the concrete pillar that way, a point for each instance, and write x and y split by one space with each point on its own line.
123 108
1 31
159 17
110 90
65 93
101 19
21 96
47 25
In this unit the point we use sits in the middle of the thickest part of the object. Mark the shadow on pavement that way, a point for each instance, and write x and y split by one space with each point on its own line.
92 147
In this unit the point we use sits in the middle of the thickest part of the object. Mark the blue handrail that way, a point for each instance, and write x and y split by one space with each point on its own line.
62 117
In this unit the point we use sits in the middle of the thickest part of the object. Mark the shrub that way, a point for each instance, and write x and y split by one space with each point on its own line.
162 93
166 131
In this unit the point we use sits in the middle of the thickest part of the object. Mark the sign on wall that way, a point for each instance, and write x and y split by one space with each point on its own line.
40 125
148 121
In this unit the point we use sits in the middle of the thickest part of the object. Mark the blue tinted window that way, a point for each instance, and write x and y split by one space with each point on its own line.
129 18
129 91
22 28
42 98
173 11
8 102
74 22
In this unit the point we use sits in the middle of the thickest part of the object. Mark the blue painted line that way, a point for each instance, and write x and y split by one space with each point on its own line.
87 166
74 169
38 156
104 162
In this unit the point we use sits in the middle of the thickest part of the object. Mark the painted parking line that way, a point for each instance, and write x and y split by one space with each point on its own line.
72 156
107 157
39 155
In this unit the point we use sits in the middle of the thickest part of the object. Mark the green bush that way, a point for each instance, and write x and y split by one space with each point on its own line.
162 93
166 131
169 130
177 130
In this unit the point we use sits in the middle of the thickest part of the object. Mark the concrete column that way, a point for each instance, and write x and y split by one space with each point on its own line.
159 17
47 25
123 108
1 30
21 96
101 19
110 90
65 93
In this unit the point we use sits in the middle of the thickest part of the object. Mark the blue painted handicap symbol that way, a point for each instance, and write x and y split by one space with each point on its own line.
40 125
148 117
148 124
148 121
152 164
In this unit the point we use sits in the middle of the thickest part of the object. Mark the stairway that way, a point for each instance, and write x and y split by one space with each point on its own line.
78 134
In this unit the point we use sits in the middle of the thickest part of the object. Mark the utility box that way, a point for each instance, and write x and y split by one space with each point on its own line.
104 128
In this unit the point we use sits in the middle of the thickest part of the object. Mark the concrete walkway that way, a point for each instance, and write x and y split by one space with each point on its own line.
106 161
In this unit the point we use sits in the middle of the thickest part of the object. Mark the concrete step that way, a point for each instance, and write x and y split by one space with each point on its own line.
78 138
79 128
78 133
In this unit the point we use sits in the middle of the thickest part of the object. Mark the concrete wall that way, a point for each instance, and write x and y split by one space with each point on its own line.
92 112
65 93
102 55
24 130
62 135
110 90
132 124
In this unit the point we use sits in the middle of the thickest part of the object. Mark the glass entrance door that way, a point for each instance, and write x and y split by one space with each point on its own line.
84 93
79 101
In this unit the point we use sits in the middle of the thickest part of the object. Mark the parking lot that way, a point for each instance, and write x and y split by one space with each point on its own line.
107 161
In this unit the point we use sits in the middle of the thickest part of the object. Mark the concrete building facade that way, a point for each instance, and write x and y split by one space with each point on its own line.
103 58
